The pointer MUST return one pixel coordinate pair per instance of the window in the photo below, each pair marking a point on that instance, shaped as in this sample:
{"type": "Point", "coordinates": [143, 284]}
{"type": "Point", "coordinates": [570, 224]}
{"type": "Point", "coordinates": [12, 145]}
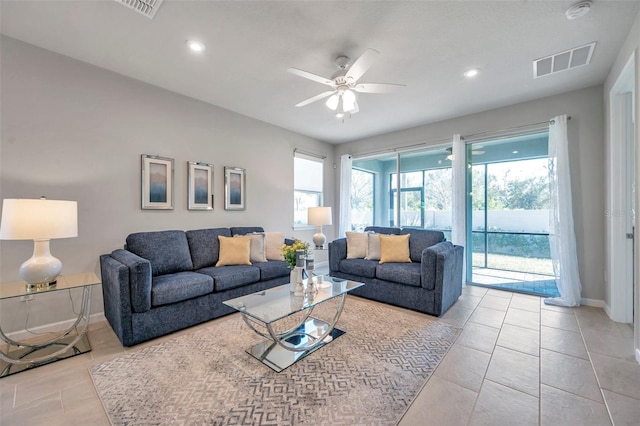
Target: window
{"type": "Point", "coordinates": [307, 186]}
{"type": "Point", "coordinates": [362, 201]}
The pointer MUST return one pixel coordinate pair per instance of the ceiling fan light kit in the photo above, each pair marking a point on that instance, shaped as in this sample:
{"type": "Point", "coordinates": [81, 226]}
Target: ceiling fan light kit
{"type": "Point", "coordinates": [344, 84]}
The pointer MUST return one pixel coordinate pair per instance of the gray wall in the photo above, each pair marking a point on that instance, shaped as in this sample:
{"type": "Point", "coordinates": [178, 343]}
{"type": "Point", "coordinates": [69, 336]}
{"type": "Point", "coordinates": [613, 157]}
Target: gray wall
{"type": "Point", "coordinates": [73, 131]}
{"type": "Point", "coordinates": [586, 151]}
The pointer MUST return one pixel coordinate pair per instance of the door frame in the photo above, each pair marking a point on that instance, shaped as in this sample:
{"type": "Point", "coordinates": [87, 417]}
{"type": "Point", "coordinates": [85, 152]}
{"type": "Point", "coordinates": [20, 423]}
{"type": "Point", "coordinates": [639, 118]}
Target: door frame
{"type": "Point", "coordinates": [619, 265]}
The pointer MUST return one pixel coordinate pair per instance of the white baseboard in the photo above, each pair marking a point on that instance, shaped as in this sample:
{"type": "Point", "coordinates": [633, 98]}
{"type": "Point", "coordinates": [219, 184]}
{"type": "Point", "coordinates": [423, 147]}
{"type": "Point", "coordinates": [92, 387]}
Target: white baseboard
{"type": "Point", "coordinates": [607, 310]}
{"type": "Point", "coordinates": [596, 303]}
{"type": "Point", "coordinates": [52, 328]}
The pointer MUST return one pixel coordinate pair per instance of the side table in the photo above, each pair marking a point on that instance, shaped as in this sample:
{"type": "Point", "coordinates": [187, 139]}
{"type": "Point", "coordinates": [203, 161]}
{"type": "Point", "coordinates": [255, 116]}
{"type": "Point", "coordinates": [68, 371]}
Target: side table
{"type": "Point", "coordinates": [73, 341]}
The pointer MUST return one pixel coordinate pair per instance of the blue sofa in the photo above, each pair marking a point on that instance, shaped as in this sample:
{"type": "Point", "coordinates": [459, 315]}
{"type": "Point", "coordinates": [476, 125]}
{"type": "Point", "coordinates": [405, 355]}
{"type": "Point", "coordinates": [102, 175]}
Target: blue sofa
{"type": "Point", "coordinates": [431, 283]}
{"type": "Point", "coordinates": [166, 281]}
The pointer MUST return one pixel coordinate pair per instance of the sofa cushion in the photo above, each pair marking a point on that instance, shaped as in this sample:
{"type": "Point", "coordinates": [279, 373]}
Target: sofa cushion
{"type": "Point", "coordinates": [388, 230]}
{"type": "Point", "coordinates": [234, 251]}
{"type": "Point", "coordinates": [373, 246]}
{"type": "Point", "coordinates": [357, 245]}
{"type": "Point", "coordinates": [204, 246]}
{"type": "Point", "coordinates": [244, 230]}
{"type": "Point", "coordinates": [172, 288]}
{"type": "Point", "coordinates": [228, 277]}
{"type": "Point", "coordinates": [359, 267]}
{"type": "Point", "coordinates": [403, 273]}
{"type": "Point", "coordinates": [168, 251]}
{"type": "Point", "coordinates": [420, 239]}
{"type": "Point", "coordinates": [394, 248]}
{"type": "Point", "coordinates": [272, 269]}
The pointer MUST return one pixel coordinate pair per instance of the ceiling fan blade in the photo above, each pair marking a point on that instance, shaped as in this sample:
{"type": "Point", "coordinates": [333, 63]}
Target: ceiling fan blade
{"type": "Point", "coordinates": [356, 108]}
{"type": "Point", "coordinates": [316, 98]}
{"type": "Point", "coordinates": [362, 64]}
{"type": "Point", "coordinates": [312, 77]}
{"type": "Point", "coordinates": [377, 87]}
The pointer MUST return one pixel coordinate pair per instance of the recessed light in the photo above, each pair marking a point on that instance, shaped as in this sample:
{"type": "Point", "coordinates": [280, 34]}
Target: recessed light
{"type": "Point", "coordinates": [471, 73]}
{"type": "Point", "coordinates": [195, 46]}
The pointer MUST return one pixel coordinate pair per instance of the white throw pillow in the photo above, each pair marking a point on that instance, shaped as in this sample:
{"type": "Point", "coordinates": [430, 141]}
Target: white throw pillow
{"type": "Point", "coordinates": [257, 246]}
{"type": "Point", "coordinates": [373, 248]}
{"type": "Point", "coordinates": [273, 242]}
{"type": "Point", "coordinates": [357, 243]}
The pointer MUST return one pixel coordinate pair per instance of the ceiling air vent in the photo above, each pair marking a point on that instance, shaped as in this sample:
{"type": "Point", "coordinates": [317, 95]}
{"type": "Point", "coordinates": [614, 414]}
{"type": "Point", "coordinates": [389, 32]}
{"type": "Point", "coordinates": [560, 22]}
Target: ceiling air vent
{"type": "Point", "coordinates": [147, 8]}
{"type": "Point", "coordinates": [563, 61]}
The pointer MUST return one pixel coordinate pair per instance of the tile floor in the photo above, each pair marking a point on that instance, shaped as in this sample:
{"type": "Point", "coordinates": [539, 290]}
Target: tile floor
{"type": "Point", "coordinates": [516, 362]}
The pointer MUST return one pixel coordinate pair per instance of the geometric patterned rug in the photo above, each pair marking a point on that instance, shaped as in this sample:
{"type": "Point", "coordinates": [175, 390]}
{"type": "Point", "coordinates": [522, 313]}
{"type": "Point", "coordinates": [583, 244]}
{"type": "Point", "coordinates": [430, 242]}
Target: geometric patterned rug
{"type": "Point", "coordinates": [368, 376]}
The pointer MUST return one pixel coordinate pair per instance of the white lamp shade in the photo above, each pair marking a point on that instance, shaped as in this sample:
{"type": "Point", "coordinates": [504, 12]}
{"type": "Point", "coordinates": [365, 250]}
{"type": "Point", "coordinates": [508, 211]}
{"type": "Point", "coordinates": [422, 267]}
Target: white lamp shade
{"type": "Point", "coordinates": [39, 219]}
{"type": "Point", "coordinates": [319, 216]}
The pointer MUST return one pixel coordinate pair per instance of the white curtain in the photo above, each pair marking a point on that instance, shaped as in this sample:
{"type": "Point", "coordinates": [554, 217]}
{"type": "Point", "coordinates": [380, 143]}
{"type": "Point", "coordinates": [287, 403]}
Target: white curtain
{"type": "Point", "coordinates": [344, 224]}
{"type": "Point", "coordinates": [562, 239]}
{"type": "Point", "coordinates": [458, 228]}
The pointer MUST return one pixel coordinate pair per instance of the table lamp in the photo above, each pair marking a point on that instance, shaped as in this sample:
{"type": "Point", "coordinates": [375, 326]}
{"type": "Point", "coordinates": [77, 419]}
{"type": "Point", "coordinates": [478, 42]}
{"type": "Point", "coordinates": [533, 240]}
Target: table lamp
{"type": "Point", "coordinates": [319, 216]}
{"type": "Point", "coordinates": [39, 220]}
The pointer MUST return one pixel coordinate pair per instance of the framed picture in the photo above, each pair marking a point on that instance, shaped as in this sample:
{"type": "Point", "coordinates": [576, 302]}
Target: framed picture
{"type": "Point", "coordinates": [234, 188]}
{"type": "Point", "coordinates": [157, 182]}
{"type": "Point", "coordinates": [200, 186]}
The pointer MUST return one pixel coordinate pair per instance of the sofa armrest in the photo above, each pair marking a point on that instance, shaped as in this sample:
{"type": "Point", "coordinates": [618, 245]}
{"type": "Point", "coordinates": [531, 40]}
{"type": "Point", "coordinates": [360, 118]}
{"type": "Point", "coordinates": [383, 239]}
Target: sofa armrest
{"type": "Point", "coordinates": [337, 252]}
{"type": "Point", "coordinates": [139, 279]}
{"type": "Point", "coordinates": [430, 263]}
{"type": "Point", "coordinates": [116, 297]}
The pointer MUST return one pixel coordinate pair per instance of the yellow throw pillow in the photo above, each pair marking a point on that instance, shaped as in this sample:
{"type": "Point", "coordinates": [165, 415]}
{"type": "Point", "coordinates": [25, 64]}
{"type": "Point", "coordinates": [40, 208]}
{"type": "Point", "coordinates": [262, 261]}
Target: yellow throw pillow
{"type": "Point", "coordinates": [357, 245]}
{"type": "Point", "coordinates": [394, 248]}
{"type": "Point", "coordinates": [234, 251]}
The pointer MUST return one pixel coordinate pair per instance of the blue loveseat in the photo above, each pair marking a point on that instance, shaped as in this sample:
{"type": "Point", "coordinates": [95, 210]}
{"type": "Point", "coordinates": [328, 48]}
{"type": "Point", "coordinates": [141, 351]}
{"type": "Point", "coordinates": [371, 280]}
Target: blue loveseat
{"type": "Point", "coordinates": [166, 281]}
{"type": "Point", "coordinates": [431, 283]}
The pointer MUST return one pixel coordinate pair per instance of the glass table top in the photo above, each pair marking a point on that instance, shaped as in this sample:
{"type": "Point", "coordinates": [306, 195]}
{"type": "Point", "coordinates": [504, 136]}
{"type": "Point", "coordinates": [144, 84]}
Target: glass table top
{"type": "Point", "coordinates": [64, 282]}
{"type": "Point", "coordinates": [279, 302]}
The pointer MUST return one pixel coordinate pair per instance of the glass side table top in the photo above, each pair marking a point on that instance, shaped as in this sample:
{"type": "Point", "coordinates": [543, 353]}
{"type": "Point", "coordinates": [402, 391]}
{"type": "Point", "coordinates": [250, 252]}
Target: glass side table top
{"type": "Point", "coordinates": [279, 302]}
{"type": "Point", "coordinates": [64, 282]}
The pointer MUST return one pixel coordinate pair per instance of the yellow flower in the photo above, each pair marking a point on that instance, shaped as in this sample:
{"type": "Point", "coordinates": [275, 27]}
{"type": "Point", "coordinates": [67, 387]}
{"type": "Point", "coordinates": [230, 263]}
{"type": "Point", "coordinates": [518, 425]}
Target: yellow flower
{"type": "Point", "coordinates": [289, 251]}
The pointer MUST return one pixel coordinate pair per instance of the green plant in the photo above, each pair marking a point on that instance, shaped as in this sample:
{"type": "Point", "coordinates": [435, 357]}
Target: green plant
{"type": "Point", "coordinates": [289, 252]}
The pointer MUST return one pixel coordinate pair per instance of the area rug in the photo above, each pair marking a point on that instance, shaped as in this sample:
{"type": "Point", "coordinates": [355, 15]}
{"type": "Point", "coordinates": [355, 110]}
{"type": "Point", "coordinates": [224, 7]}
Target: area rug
{"type": "Point", "coordinates": [368, 376]}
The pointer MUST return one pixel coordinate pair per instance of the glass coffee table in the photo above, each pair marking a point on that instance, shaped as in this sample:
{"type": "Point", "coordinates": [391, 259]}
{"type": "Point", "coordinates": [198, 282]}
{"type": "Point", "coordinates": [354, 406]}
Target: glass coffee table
{"type": "Point", "coordinates": [284, 319]}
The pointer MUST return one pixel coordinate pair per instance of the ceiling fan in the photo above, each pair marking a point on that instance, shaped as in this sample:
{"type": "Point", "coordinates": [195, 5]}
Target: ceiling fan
{"type": "Point", "coordinates": [344, 84]}
{"type": "Point", "coordinates": [475, 150]}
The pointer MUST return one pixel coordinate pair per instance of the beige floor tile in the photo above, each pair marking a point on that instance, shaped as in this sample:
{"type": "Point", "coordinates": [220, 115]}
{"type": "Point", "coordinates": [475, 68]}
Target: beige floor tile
{"type": "Point", "coordinates": [595, 319]}
{"type": "Point", "coordinates": [568, 373]}
{"type": "Point", "coordinates": [37, 412]}
{"type": "Point", "coordinates": [44, 386]}
{"type": "Point", "coordinates": [478, 336]}
{"type": "Point", "coordinates": [501, 405]}
{"type": "Point", "coordinates": [464, 366]}
{"type": "Point", "coordinates": [558, 407]}
{"type": "Point", "coordinates": [563, 320]}
{"type": "Point", "coordinates": [489, 317]}
{"type": "Point", "coordinates": [555, 308]}
{"type": "Point", "coordinates": [495, 302]}
{"type": "Point", "coordinates": [617, 375]}
{"type": "Point", "coordinates": [456, 316]}
{"type": "Point", "coordinates": [563, 341]}
{"type": "Point", "coordinates": [624, 410]}
{"type": "Point", "coordinates": [468, 301]}
{"type": "Point", "coordinates": [519, 339]}
{"type": "Point", "coordinates": [521, 318]}
{"type": "Point", "coordinates": [475, 290]}
{"type": "Point", "coordinates": [441, 403]}
{"type": "Point", "coordinates": [516, 370]}
{"type": "Point", "coordinates": [500, 293]}
{"type": "Point", "coordinates": [608, 344]}
{"type": "Point", "coordinates": [526, 303]}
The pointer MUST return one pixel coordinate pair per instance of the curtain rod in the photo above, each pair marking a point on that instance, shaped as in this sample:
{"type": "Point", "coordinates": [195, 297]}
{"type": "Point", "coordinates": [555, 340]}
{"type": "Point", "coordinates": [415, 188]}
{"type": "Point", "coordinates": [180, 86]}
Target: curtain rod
{"type": "Point", "coordinates": [403, 148]}
{"type": "Point", "coordinates": [497, 132]}
{"type": "Point", "coordinates": [310, 154]}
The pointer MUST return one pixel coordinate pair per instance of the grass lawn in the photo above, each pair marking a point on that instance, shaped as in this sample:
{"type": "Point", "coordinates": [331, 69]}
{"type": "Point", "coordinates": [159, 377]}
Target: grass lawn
{"type": "Point", "coordinates": [514, 263]}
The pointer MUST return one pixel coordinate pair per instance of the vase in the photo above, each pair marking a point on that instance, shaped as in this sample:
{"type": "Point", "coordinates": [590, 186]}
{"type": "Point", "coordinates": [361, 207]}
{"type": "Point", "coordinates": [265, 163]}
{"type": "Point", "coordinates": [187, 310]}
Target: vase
{"type": "Point", "coordinates": [293, 280]}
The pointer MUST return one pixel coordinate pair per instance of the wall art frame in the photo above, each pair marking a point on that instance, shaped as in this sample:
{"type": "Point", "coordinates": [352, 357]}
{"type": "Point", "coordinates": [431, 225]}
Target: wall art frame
{"type": "Point", "coordinates": [199, 186]}
{"type": "Point", "coordinates": [234, 188]}
{"type": "Point", "coordinates": [157, 182]}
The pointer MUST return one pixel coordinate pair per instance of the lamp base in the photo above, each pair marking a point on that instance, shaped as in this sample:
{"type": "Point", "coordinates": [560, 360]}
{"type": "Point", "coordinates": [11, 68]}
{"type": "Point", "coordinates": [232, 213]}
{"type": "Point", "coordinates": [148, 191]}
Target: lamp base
{"type": "Point", "coordinates": [42, 269]}
{"type": "Point", "coordinates": [319, 238]}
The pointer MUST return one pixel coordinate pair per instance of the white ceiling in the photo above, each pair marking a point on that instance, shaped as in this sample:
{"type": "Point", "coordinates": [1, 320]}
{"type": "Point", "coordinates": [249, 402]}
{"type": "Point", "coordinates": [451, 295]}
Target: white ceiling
{"type": "Point", "coordinates": [426, 45]}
